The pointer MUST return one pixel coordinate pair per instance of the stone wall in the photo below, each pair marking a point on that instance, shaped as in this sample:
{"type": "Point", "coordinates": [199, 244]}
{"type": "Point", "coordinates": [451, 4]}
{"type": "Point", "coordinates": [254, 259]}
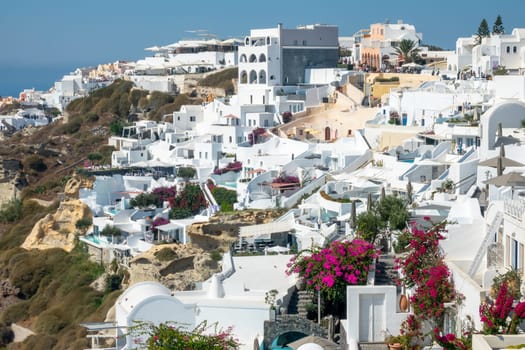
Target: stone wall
{"type": "Point", "coordinates": [291, 323]}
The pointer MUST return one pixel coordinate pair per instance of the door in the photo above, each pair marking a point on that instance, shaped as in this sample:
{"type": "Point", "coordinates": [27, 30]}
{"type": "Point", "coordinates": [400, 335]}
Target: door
{"type": "Point", "coordinates": [371, 317]}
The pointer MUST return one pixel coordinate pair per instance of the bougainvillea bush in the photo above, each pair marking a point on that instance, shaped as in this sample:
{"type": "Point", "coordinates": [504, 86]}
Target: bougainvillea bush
{"type": "Point", "coordinates": [167, 336]}
{"type": "Point", "coordinates": [499, 317]}
{"type": "Point", "coordinates": [331, 269]}
{"type": "Point", "coordinates": [423, 268]}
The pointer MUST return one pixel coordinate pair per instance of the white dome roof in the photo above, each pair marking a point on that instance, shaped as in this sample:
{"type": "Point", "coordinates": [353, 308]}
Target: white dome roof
{"type": "Point", "coordinates": [310, 346]}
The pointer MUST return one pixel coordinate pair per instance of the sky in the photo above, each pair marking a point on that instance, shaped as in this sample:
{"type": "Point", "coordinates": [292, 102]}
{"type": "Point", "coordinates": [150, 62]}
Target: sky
{"type": "Point", "coordinates": [43, 33]}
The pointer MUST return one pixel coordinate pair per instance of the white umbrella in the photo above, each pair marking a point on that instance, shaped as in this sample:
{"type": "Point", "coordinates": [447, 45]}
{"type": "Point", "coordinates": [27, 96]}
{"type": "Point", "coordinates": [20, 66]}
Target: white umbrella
{"type": "Point", "coordinates": [278, 249]}
{"type": "Point", "coordinates": [412, 65]}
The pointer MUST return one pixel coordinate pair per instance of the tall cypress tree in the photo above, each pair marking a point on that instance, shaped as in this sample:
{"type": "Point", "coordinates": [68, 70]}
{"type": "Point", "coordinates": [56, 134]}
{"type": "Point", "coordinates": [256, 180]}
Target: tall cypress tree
{"type": "Point", "coordinates": [483, 31]}
{"type": "Point", "coordinates": [498, 28]}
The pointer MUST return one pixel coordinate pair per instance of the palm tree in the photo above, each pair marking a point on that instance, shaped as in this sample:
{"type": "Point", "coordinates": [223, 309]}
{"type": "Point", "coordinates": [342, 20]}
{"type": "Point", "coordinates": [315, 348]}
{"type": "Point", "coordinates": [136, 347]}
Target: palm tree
{"type": "Point", "coordinates": [407, 50]}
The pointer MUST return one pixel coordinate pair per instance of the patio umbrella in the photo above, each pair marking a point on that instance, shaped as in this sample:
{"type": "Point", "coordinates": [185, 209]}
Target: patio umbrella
{"type": "Point", "coordinates": [412, 65]}
{"type": "Point", "coordinates": [313, 339]}
{"type": "Point", "coordinates": [354, 214]}
{"type": "Point", "coordinates": [369, 202]}
{"type": "Point", "coordinates": [505, 162]}
{"type": "Point", "coordinates": [510, 179]}
{"type": "Point", "coordinates": [383, 195]}
{"type": "Point", "coordinates": [409, 192]}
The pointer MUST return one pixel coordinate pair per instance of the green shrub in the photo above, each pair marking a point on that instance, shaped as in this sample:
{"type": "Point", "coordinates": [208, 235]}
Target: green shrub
{"type": "Point", "coordinates": [40, 342]}
{"type": "Point", "coordinates": [186, 172]}
{"type": "Point", "coordinates": [110, 231]}
{"type": "Point", "coordinates": [180, 213]}
{"type": "Point", "coordinates": [35, 163]}
{"type": "Point", "coordinates": [95, 156]}
{"type": "Point", "coordinates": [113, 282]}
{"type": "Point", "coordinates": [216, 255]}
{"type": "Point", "coordinates": [116, 127]}
{"type": "Point", "coordinates": [166, 254]}
{"type": "Point", "coordinates": [11, 211]}
{"type": "Point", "coordinates": [16, 312]}
{"type": "Point", "coordinates": [6, 335]}
{"type": "Point", "coordinates": [83, 224]}
{"type": "Point", "coordinates": [225, 198]}
{"type": "Point", "coordinates": [144, 200]}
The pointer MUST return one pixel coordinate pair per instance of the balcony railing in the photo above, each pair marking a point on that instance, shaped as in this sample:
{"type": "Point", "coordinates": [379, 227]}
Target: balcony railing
{"type": "Point", "coordinates": [514, 208]}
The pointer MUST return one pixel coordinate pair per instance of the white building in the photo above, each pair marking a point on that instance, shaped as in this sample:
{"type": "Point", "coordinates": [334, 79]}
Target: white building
{"type": "Point", "coordinates": [377, 49]}
{"type": "Point", "coordinates": [238, 293]}
{"type": "Point", "coordinates": [272, 59]}
{"type": "Point", "coordinates": [505, 50]}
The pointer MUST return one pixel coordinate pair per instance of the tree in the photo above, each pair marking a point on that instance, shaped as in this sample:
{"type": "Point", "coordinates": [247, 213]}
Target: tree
{"type": "Point", "coordinates": [393, 210]}
{"type": "Point", "coordinates": [498, 28]}
{"type": "Point", "coordinates": [369, 224]}
{"type": "Point", "coordinates": [483, 31]}
{"type": "Point", "coordinates": [407, 51]}
{"type": "Point", "coordinates": [186, 173]}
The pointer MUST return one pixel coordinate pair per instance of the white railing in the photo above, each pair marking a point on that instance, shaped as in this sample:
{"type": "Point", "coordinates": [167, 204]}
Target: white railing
{"type": "Point", "coordinates": [491, 230]}
{"type": "Point", "coordinates": [514, 208]}
{"type": "Point", "coordinates": [294, 198]}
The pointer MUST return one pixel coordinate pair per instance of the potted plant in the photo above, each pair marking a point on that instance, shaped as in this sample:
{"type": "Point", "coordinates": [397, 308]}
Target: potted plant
{"type": "Point", "coordinates": [396, 342]}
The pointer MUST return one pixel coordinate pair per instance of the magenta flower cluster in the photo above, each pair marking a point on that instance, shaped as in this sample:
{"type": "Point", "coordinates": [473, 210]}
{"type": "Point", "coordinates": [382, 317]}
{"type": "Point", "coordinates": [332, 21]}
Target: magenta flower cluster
{"type": "Point", "coordinates": [332, 268]}
{"type": "Point", "coordinates": [232, 166]}
{"type": "Point", "coordinates": [451, 341]}
{"type": "Point", "coordinates": [499, 317]}
{"type": "Point", "coordinates": [424, 269]}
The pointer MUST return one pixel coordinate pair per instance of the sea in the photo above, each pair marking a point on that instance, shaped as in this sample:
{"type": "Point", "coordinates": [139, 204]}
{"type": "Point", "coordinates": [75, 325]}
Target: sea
{"type": "Point", "coordinates": [16, 78]}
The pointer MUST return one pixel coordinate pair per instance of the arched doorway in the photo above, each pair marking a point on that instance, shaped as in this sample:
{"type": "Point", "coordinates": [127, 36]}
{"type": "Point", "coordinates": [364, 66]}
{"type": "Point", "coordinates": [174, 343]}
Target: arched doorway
{"type": "Point", "coordinates": [327, 133]}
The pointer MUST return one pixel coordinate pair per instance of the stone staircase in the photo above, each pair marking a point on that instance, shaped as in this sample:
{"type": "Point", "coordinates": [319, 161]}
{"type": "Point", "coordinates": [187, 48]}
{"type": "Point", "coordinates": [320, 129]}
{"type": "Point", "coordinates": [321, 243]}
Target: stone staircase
{"type": "Point", "coordinates": [299, 301]}
{"type": "Point", "coordinates": [385, 271]}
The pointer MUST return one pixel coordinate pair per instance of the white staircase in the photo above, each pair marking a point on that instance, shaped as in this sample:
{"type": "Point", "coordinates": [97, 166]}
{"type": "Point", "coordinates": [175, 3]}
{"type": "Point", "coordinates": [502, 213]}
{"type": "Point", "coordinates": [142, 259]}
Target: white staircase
{"type": "Point", "coordinates": [491, 230]}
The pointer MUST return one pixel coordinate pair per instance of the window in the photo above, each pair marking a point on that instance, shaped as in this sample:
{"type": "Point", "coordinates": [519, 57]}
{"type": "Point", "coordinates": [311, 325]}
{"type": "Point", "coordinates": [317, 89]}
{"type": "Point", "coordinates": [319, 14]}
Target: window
{"type": "Point", "coordinates": [178, 118]}
{"type": "Point", "coordinates": [514, 254]}
{"type": "Point", "coordinates": [205, 155]}
{"type": "Point", "coordinates": [514, 49]}
{"type": "Point", "coordinates": [304, 42]}
{"type": "Point", "coordinates": [266, 123]}
{"type": "Point", "coordinates": [295, 42]}
{"type": "Point", "coordinates": [192, 118]}
{"type": "Point", "coordinates": [230, 138]}
{"type": "Point", "coordinates": [508, 49]}
{"type": "Point", "coordinates": [244, 77]}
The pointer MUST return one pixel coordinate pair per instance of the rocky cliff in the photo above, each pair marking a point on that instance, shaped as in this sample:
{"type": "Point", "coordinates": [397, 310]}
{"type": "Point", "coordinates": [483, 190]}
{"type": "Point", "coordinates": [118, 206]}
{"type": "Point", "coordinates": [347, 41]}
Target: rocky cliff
{"type": "Point", "coordinates": [58, 230]}
{"type": "Point", "coordinates": [176, 266]}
